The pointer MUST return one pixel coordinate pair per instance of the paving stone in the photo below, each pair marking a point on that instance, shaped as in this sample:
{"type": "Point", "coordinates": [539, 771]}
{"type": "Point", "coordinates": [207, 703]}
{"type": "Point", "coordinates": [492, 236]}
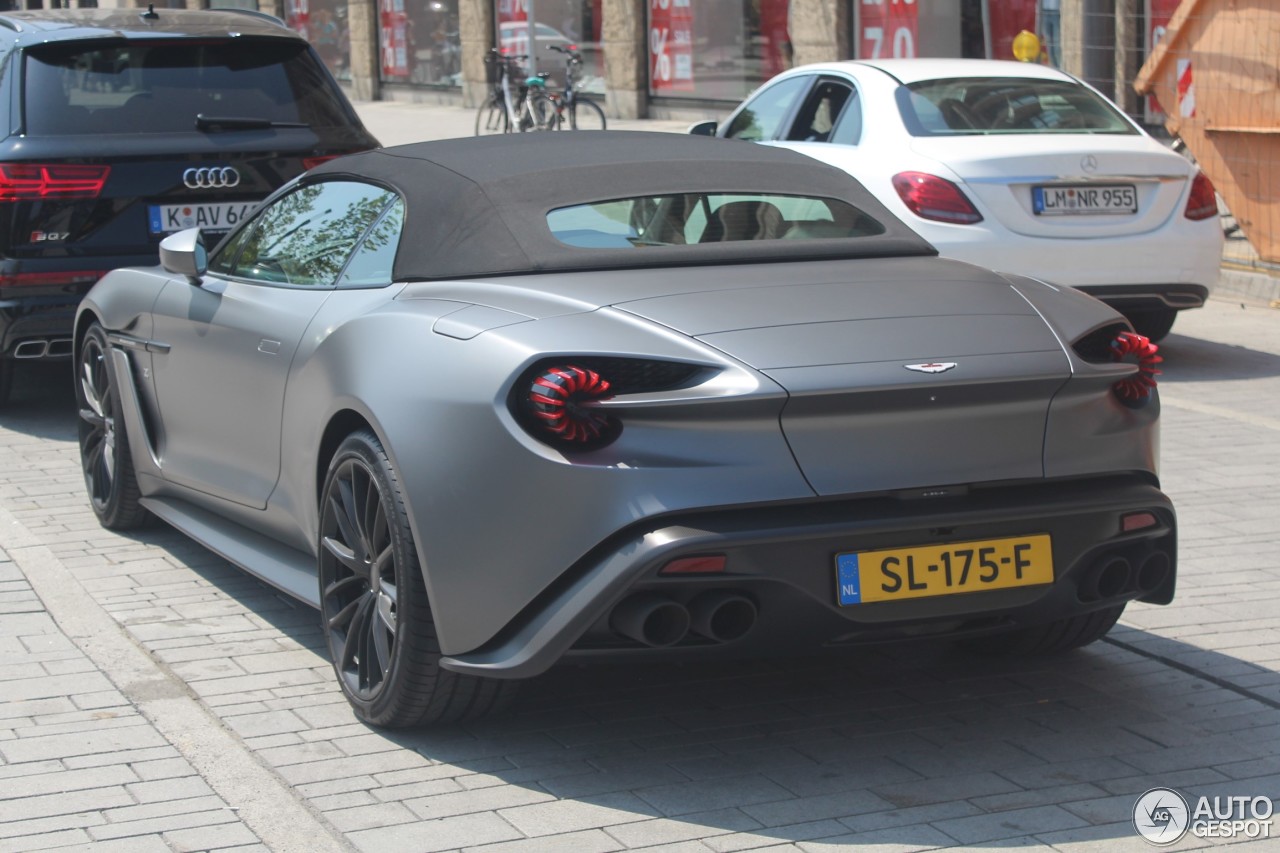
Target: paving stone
{"type": "Point", "coordinates": [448, 833]}
{"type": "Point", "coordinates": [900, 840]}
{"type": "Point", "coordinates": [559, 816]}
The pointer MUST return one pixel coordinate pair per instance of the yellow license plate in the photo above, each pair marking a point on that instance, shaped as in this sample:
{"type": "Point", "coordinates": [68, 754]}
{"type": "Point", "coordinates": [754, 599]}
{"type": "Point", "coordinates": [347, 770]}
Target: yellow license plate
{"type": "Point", "coordinates": [957, 567]}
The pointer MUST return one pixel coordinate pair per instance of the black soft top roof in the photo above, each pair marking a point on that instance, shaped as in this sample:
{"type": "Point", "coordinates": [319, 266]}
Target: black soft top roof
{"type": "Point", "coordinates": [478, 206]}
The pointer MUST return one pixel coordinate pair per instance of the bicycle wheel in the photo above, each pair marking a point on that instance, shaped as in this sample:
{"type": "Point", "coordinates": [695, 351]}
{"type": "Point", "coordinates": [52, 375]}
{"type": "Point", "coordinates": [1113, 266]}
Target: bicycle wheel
{"type": "Point", "coordinates": [491, 118]}
{"type": "Point", "coordinates": [540, 113]}
{"type": "Point", "coordinates": [586, 115]}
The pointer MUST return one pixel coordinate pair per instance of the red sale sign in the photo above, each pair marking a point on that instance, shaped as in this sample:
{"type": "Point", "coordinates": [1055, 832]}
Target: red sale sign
{"type": "Point", "coordinates": [671, 46]}
{"type": "Point", "coordinates": [394, 24]}
{"type": "Point", "coordinates": [887, 28]}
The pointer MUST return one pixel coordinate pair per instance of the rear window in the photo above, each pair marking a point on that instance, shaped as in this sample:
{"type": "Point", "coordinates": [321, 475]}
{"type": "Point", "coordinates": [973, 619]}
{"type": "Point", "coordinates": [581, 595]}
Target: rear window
{"type": "Point", "coordinates": [1001, 105]}
{"type": "Point", "coordinates": [674, 220]}
{"type": "Point", "coordinates": [160, 87]}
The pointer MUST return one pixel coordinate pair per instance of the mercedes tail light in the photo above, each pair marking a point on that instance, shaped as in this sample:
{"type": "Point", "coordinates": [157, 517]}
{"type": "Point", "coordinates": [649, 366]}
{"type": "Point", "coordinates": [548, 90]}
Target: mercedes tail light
{"type": "Point", "coordinates": [931, 197]}
{"type": "Point", "coordinates": [40, 181]}
{"type": "Point", "coordinates": [1203, 202]}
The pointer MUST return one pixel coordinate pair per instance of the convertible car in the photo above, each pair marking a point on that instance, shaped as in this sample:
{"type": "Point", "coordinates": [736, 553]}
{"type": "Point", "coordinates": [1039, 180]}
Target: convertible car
{"type": "Point", "coordinates": [490, 404]}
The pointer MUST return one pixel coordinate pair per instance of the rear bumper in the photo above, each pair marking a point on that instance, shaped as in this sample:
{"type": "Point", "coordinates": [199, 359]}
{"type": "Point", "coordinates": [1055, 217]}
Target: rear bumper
{"type": "Point", "coordinates": [782, 559]}
{"type": "Point", "coordinates": [38, 313]}
{"type": "Point", "coordinates": [1149, 297]}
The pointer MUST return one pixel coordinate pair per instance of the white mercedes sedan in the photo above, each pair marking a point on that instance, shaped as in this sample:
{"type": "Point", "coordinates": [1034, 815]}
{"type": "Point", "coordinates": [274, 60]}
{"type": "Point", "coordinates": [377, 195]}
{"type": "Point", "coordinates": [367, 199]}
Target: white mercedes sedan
{"type": "Point", "coordinates": [1012, 166]}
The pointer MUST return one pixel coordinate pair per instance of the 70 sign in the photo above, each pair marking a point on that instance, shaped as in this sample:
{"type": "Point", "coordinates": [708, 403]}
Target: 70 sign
{"type": "Point", "coordinates": [887, 28]}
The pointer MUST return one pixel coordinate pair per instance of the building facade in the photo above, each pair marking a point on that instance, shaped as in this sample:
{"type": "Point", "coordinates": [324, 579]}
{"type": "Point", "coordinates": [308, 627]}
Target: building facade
{"type": "Point", "coordinates": [693, 58]}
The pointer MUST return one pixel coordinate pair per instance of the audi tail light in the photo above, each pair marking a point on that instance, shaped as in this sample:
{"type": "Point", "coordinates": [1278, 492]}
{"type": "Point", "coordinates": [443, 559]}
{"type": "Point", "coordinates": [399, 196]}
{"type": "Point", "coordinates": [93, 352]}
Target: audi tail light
{"type": "Point", "coordinates": [51, 279]}
{"type": "Point", "coordinates": [557, 401]}
{"type": "Point", "coordinates": [40, 181]}
{"type": "Point", "coordinates": [310, 163]}
{"type": "Point", "coordinates": [1203, 201]}
{"type": "Point", "coordinates": [931, 197]}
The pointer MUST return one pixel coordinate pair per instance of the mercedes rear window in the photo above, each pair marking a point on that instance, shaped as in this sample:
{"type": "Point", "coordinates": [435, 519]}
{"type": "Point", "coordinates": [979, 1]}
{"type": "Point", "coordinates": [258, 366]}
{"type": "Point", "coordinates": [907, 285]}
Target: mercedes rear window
{"type": "Point", "coordinates": [160, 87]}
{"type": "Point", "coordinates": [967, 106]}
{"type": "Point", "coordinates": [687, 218]}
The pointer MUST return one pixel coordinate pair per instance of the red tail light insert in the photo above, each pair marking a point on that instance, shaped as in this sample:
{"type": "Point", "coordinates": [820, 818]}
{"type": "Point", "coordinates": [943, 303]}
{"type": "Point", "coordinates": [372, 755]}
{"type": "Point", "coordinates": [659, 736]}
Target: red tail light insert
{"type": "Point", "coordinates": [1136, 390]}
{"type": "Point", "coordinates": [51, 279]}
{"type": "Point", "coordinates": [1203, 201]}
{"type": "Point", "coordinates": [931, 197]}
{"type": "Point", "coordinates": [40, 181]}
{"type": "Point", "coordinates": [561, 397]}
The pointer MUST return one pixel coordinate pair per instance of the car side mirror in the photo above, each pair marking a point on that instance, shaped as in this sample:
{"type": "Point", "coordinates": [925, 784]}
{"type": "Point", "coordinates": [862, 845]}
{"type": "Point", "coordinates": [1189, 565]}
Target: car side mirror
{"type": "Point", "coordinates": [184, 253]}
{"type": "Point", "coordinates": [703, 128]}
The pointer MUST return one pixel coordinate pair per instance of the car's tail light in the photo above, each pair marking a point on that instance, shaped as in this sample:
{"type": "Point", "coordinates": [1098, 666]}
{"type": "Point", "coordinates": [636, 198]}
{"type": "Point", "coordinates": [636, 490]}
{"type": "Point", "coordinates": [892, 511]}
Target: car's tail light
{"type": "Point", "coordinates": [560, 398]}
{"type": "Point", "coordinates": [37, 181]}
{"type": "Point", "coordinates": [931, 197]}
{"type": "Point", "coordinates": [1137, 521]}
{"type": "Point", "coordinates": [556, 400]}
{"type": "Point", "coordinates": [1203, 202]}
{"type": "Point", "coordinates": [1136, 390]}
{"type": "Point", "coordinates": [311, 162]}
{"type": "Point", "coordinates": [51, 279]}
{"type": "Point", "coordinates": [706, 565]}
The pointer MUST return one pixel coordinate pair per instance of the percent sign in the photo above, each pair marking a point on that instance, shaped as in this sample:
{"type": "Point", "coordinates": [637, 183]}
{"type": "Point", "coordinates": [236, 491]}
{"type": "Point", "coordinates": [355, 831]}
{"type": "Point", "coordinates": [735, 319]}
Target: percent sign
{"type": "Point", "coordinates": [658, 46]}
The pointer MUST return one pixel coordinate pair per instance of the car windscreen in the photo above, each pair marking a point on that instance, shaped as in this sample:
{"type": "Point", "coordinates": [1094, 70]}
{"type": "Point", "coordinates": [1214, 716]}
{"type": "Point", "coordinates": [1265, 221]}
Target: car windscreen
{"type": "Point", "coordinates": [964, 106]}
{"type": "Point", "coordinates": [721, 217]}
{"type": "Point", "coordinates": [161, 86]}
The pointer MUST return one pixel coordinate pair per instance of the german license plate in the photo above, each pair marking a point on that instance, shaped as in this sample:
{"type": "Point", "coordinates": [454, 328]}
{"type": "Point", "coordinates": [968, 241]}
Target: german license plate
{"type": "Point", "coordinates": [1087, 199]}
{"type": "Point", "coordinates": [219, 216]}
{"type": "Point", "coordinates": [895, 574]}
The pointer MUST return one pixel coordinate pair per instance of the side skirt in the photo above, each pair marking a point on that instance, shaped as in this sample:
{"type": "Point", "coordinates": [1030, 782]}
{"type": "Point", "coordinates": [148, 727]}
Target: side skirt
{"type": "Point", "coordinates": [285, 568]}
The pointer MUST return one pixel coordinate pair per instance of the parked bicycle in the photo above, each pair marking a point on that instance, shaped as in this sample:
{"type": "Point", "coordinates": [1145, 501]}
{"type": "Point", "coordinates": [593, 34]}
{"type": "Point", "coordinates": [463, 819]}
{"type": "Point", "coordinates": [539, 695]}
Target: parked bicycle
{"type": "Point", "coordinates": [529, 107]}
{"type": "Point", "coordinates": [573, 109]}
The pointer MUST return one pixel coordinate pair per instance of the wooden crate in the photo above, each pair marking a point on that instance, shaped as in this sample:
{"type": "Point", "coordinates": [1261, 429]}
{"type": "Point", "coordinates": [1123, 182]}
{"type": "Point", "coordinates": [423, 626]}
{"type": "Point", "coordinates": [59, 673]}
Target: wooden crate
{"type": "Point", "coordinates": [1216, 73]}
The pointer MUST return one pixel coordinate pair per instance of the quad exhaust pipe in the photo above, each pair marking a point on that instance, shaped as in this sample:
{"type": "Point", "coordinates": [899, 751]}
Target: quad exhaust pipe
{"type": "Point", "coordinates": [1114, 576]}
{"type": "Point", "coordinates": [656, 621]}
{"type": "Point", "coordinates": [43, 348]}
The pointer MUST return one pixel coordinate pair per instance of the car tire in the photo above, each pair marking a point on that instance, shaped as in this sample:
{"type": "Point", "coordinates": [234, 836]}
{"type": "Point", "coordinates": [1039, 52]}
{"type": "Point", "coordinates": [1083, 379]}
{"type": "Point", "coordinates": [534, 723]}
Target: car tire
{"type": "Point", "coordinates": [1051, 638]}
{"type": "Point", "coordinates": [105, 457]}
{"type": "Point", "coordinates": [6, 380]}
{"type": "Point", "coordinates": [376, 616]}
{"type": "Point", "coordinates": [1153, 325]}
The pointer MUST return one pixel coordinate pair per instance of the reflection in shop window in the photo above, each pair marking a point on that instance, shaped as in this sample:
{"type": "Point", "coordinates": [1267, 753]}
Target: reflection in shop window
{"type": "Point", "coordinates": [716, 49]}
{"type": "Point", "coordinates": [418, 42]}
{"type": "Point", "coordinates": [324, 24]}
{"type": "Point", "coordinates": [572, 24]}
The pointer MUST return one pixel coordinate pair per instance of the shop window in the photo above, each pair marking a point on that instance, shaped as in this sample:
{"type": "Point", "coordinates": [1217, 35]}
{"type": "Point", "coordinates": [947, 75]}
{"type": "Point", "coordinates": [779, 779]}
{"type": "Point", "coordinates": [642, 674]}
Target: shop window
{"type": "Point", "coordinates": [715, 49]}
{"type": "Point", "coordinates": [565, 24]}
{"type": "Point", "coordinates": [418, 42]}
{"type": "Point", "coordinates": [324, 24]}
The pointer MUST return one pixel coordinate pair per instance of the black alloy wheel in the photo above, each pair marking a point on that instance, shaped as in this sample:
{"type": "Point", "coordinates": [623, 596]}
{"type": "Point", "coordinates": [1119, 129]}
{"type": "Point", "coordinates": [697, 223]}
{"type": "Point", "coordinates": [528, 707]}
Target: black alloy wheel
{"type": "Point", "coordinates": [104, 445]}
{"type": "Point", "coordinates": [373, 600]}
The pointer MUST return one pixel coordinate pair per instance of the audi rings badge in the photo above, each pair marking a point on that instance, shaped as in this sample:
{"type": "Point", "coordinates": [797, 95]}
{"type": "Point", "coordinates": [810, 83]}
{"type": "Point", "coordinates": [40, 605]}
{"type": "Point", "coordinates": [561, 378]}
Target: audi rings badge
{"type": "Point", "coordinates": [209, 178]}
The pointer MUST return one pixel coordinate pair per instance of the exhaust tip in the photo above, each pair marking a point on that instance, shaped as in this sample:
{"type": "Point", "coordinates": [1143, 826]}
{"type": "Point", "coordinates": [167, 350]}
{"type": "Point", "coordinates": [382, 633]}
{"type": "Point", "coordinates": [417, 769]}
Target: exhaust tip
{"type": "Point", "coordinates": [650, 619]}
{"type": "Point", "coordinates": [722, 616]}
{"type": "Point", "coordinates": [31, 349]}
{"type": "Point", "coordinates": [1154, 571]}
{"type": "Point", "coordinates": [1106, 580]}
{"type": "Point", "coordinates": [59, 347]}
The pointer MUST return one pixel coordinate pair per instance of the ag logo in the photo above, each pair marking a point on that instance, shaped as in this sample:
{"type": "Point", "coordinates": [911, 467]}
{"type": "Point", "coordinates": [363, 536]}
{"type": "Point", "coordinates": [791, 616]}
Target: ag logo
{"type": "Point", "coordinates": [1161, 816]}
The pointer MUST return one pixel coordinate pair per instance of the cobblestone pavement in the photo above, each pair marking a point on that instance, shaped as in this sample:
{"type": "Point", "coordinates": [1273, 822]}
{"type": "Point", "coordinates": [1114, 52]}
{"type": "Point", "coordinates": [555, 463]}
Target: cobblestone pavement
{"type": "Point", "coordinates": [152, 697]}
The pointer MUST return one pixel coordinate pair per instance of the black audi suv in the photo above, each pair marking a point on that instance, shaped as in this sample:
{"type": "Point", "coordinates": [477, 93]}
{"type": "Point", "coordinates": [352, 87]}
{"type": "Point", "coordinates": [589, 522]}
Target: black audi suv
{"type": "Point", "coordinates": [121, 126]}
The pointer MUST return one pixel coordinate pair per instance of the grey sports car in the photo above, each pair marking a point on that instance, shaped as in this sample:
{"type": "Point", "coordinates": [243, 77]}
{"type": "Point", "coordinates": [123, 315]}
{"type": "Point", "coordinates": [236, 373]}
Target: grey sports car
{"type": "Point", "coordinates": [493, 403]}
